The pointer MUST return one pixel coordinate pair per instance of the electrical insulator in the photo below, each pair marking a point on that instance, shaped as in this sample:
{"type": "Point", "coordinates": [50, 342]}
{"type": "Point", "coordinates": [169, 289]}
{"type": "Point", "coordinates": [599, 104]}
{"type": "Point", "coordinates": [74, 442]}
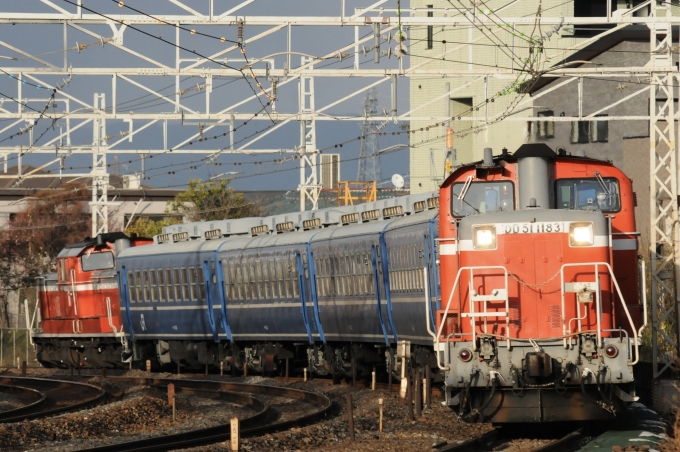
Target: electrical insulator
{"type": "Point", "coordinates": [449, 138]}
{"type": "Point", "coordinates": [274, 90]}
{"type": "Point", "coordinates": [240, 32]}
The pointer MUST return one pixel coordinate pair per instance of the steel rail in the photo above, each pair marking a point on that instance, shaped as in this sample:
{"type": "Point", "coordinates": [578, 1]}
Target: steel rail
{"type": "Point", "coordinates": [57, 399]}
{"type": "Point", "coordinates": [474, 444]}
{"type": "Point", "coordinates": [567, 443]}
{"type": "Point", "coordinates": [249, 426]}
{"type": "Point", "coordinates": [35, 397]}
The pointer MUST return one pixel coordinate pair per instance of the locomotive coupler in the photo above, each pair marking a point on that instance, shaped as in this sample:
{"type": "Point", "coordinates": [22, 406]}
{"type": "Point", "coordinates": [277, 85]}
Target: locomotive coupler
{"type": "Point", "coordinates": [538, 365]}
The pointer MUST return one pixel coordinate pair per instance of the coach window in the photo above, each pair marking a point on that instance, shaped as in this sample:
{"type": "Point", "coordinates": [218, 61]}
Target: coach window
{"type": "Point", "coordinates": [270, 271]}
{"type": "Point", "coordinates": [145, 286]}
{"type": "Point", "coordinates": [200, 283]}
{"type": "Point", "coordinates": [589, 194]}
{"type": "Point", "coordinates": [245, 282]}
{"type": "Point", "coordinates": [259, 283]}
{"type": "Point", "coordinates": [97, 261]}
{"type": "Point", "coordinates": [154, 286]}
{"type": "Point", "coordinates": [131, 287]}
{"type": "Point", "coordinates": [280, 290]}
{"type": "Point", "coordinates": [161, 285]}
{"type": "Point", "coordinates": [138, 286]}
{"type": "Point", "coordinates": [481, 197]}
{"type": "Point", "coordinates": [193, 282]}
{"type": "Point", "coordinates": [183, 284]}
{"type": "Point", "coordinates": [177, 283]}
{"type": "Point", "coordinates": [238, 282]}
{"type": "Point", "coordinates": [294, 279]}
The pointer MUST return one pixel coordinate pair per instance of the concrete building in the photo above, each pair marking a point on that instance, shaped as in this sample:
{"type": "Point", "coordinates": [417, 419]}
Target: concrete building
{"type": "Point", "coordinates": [134, 199]}
{"type": "Point", "coordinates": [488, 65]}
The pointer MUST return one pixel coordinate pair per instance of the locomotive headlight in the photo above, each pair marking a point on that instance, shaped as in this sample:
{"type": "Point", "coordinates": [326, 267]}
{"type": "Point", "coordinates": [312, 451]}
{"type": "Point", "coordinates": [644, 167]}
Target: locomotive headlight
{"type": "Point", "coordinates": [581, 234]}
{"type": "Point", "coordinates": [484, 237]}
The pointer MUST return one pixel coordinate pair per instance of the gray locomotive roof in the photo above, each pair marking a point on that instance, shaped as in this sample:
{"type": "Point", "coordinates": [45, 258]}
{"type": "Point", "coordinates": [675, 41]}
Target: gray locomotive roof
{"type": "Point", "coordinates": [269, 240]}
{"type": "Point", "coordinates": [333, 216]}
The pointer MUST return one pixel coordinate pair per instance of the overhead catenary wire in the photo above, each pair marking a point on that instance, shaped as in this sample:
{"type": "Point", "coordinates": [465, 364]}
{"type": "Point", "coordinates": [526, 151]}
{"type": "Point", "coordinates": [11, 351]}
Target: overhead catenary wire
{"type": "Point", "coordinates": [476, 128]}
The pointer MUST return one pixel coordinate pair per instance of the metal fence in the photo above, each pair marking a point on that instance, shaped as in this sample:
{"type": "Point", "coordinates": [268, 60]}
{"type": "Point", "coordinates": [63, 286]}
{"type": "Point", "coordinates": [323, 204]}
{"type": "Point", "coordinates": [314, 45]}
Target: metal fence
{"type": "Point", "coordinates": [15, 347]}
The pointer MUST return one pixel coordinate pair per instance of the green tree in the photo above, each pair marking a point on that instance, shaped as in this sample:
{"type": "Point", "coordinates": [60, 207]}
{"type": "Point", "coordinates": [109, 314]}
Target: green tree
{"type": "Point", "coordinates": [201, 201]}
{"type": "Point", "coordinates": [212, 200]}
{"type": "Point", "coordinates": [146, 227]}
{"type": "Point", "coordinates": [47, 223]}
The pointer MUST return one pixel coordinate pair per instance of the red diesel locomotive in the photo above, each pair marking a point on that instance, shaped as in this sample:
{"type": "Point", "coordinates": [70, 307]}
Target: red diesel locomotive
{"type": "Point", "coordinates": [80, 321]}
{"type": "Point", "coordinates": [540, 316]}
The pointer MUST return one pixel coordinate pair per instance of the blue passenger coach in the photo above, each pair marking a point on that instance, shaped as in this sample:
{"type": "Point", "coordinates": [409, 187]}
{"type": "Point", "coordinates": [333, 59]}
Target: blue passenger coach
{"type": "Point", "coordinates": [329, 285]}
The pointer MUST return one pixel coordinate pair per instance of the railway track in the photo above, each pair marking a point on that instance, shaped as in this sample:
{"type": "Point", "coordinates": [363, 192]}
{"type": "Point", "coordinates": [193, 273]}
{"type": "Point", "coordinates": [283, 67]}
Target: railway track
{"type": "Point", "coordinates": [273, 411]}
{"type": "Point", "coordinates": [495, 440]}
{"type": "Point", "coordinates": [45, 397]}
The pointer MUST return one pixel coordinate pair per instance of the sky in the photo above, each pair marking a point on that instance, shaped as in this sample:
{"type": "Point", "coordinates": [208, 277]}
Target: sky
{"type": "Point", "coordinates": [255, 172]}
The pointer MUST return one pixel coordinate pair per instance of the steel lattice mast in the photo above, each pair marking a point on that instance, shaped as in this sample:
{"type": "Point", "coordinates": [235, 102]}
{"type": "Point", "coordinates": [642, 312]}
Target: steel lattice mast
{"type": "Point", "coordinates": [369, 159]}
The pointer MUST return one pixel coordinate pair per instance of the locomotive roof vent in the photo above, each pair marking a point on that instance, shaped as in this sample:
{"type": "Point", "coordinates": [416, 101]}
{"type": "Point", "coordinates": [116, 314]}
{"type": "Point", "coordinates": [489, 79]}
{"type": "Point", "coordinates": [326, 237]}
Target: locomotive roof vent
{"type": "Point", "coordinates": [213, 234]}
{"type": "Point", "coordinates": [370, 215]}
{"type": "Point", "coordinates": [580, 153]}
{"type": "Point", "coordinates": [180, 237]}
{"type": "Point", "coordinates": [262, 229]}
{"type": "Point", "coordinates": [349, 218]}
{"type": "Point", "coordinates": [433, 203]}
{"type": "Point", "coordinates": [395, 211]}
{"type": "Point", "coordinates": [419, 206]}
{"type": "Point", "coordinates": [283, 227]}
{"type": "Point", "coordinates": [162, 238]}
{"type": "Point", "coordinates": [311, 224]}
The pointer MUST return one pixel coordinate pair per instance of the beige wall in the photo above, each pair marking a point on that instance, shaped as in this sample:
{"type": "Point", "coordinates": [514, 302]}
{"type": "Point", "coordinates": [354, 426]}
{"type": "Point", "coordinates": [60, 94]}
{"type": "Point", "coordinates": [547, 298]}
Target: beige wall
{"type": "Point", "coordinates": [427, 157]}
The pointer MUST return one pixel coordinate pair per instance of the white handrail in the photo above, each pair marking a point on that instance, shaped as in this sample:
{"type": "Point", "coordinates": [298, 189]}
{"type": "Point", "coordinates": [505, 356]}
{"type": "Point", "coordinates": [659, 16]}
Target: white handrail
{"type": "Point", "coordinates": [427, 304]}
{"type": "Point", "coordinates": [448, 306]}
{"type": "Point", "coordinates": [73, 290]}
{"type": "Point", "coordinates": [644, 297]}
{"type": "Point", "coordinates": [618, 291]}
{"type": "Point", "coordinates": [108, 311]}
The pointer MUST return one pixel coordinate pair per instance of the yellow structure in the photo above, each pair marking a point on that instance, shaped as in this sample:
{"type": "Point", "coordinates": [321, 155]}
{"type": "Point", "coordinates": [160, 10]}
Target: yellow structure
{"type": "Point", "coordinates": [345, 188]}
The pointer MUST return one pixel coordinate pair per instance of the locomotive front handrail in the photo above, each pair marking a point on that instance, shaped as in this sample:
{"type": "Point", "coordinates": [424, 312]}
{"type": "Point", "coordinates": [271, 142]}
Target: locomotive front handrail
{"type": "Point", "coordinates": [644, 298]}
{"type": "Point", "coordinates": [448, 307]}
{"type": "Point", "coordinates": [599, 304]}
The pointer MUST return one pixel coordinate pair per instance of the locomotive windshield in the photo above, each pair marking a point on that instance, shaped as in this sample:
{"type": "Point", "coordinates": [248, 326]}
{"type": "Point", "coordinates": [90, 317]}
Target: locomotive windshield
{"type": "Point", "coordinates": [595, 194]}
{"type": "Point", "coordinates": [97, 261]}
{"type": "Point", "coordinates": [481, 197]}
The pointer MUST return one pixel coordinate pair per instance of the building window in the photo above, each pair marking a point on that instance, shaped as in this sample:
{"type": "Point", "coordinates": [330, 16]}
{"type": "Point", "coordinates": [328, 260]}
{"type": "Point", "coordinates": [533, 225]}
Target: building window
{"type": "Point", "coordinates": [545, 129]}
{"type": "Point", "coordinates": [430, 29]}
{"type": "Point", "coordinates": [580, 131]}
{"type": "Point", "coordinates": [599, 131]}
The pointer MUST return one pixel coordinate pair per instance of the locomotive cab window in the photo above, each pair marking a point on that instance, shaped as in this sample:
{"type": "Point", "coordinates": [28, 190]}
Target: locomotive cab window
{"type": "Point", "coordinates": [589, 194]}
{"type": "Point", "coordinates": [481, 197]}
{"type": "Point", "coordinates": [97, 261]}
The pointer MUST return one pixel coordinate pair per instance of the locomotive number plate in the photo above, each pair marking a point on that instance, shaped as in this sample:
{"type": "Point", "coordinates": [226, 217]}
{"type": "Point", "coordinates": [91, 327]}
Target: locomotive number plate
{"type": "Point", "coordinates": [541, 227]}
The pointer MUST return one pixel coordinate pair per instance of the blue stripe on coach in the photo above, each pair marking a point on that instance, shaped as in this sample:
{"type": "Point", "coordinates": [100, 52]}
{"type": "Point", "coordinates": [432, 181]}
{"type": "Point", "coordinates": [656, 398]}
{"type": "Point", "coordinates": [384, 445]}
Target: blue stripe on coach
{"type": "Point", "coordinates": [124, 296]}
{"type": "Point", "coordinates": [377, 293]}
{"type": "Point", "coordinates": [209, 299]}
